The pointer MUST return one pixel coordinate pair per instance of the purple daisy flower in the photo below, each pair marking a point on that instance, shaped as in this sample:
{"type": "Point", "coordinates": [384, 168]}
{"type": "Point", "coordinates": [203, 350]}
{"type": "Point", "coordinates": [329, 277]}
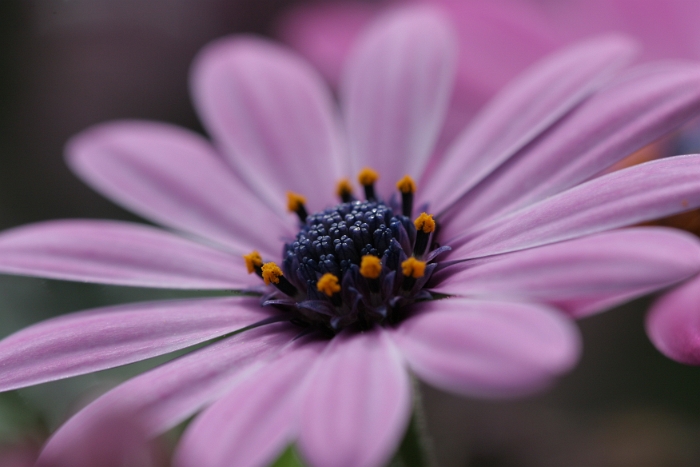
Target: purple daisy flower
{"type": "Point", "coordinates": [474, 296]}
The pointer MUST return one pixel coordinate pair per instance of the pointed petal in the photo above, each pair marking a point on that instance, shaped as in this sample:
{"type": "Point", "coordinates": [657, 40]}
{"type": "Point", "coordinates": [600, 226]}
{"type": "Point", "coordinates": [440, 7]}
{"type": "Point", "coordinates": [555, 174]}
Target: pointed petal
{"type": "Point", "coordinates": [358, 403]}
{"type": "Point", "coordinates": [169, 394]}
{"type": "Point", "coordinates": [581, 276]}
{"type": "Point", "coordinates": [673, 324]}
{"type": "Point", "coordinates": [119, 253]}
{"type": "Point", "coordinates": [488, 349]}
{"type": "Point", "coordinates": [174, 177]}
{"type": "Point", "coordinates": [102, 338]}
{"type": "Point", "coordinates": [641, 193]}
{"type": "Point", "coordinates": [635, 110]}
{"type": "Point", "coordinates": [110, 441]}
{"type": "Point", "coordinates": [272, 116]}
{"type": "Point", "coordinates": [395, 93]}
{"type": "Point", "coordinates": [256, 420]}
{"type": "Point", "coordinates": [521, 112]}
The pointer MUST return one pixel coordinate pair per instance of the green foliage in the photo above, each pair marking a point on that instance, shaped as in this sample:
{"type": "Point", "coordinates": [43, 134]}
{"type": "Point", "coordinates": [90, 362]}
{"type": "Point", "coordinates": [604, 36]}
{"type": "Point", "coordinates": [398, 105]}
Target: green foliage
{"type": "Point", "coordinates": [289, 458]}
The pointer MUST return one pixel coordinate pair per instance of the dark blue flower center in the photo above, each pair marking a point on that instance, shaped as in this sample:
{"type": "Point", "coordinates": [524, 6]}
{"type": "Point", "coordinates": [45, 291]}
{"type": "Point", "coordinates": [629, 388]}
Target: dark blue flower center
{"type": "Point", "coordinates": [354, 265]}
{"type": "Point", "coordinates": [334, 242]}
{"type": "Point", "coordinates": [336, 239]}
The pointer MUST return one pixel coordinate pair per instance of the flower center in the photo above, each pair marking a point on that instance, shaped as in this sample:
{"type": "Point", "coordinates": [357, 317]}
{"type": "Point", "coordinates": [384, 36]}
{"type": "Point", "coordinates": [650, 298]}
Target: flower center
{"type": "Point", "coordinates": [355, 264]}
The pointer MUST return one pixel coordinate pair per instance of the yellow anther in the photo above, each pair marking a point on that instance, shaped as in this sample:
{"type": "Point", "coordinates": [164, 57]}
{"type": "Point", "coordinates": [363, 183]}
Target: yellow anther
{"type": "Point", "coordinates": [343, 188]}
{"type": "Point", "coordinates": [425, 223]}
{"type": "Point", "coordinates": [252, 260]}
{"type": "Point", "coordinates": [367, 176]}
{"type": "Point", "coordinates": [328, 284]}
{"type": "Point", "coordinates": [370, 267]}
{"type": "Point", "coordinates": [271, 273]}
{"type": "Point", "coordinates": [406, 185]}
{"type": "Point", "coordinates": [295, 201]}
{"type": "Point", "coordinates": [413, 268]}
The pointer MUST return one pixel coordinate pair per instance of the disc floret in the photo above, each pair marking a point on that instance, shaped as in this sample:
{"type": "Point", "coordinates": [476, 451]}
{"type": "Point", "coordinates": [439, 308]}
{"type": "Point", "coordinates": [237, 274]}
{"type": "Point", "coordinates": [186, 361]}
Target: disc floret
{"type": "Point", "coordinates": [354, 264]}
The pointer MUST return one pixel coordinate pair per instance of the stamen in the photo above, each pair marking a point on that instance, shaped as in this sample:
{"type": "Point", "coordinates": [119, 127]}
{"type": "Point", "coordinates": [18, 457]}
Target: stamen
{"type": "Point", "coordinates": [344, 190]}
{"type": "Point", "coordinates": [425, 225]}
{"type": "Point", "coordinates": [347, 262]}
{"type": "Point", "coordinates": [407, 187]}
{"type": "Point", "coordinates": [253, 262]}
{"type": "Point", "coordinates": [329, 285]}
{"type": "Point", "coordinates": [367, 177]}
{"type": "Point", "coordinates": [412, 269]}
{"type": "Point", "coordinates": [296, 203]}
{"type": "Point", "coordinates": [271, 273]}
{"type": "Point", "coordinates": [370, 267]}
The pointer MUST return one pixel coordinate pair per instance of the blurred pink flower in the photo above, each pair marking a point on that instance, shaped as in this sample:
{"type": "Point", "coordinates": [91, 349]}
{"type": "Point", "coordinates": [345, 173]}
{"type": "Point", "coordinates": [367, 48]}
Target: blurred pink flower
{"type": "Point", "coordinates": [112, 440]}
{"type": "Point", "coordinates": [665, 28]}
{"type": "Point", "coordinates": [517, 197]}
{"type": "Point", "coordinates": [498, 39]}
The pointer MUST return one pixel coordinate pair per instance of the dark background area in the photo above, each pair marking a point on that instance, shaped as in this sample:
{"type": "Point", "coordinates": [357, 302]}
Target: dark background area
{"type": "Point", "coordinates": [65, 65]}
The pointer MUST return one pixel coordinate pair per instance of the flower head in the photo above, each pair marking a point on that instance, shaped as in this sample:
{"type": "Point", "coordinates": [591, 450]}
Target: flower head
{"type": "Point", "coordinates": [518, 232]}
{"type": "Point", "coordinates": [497, 40]}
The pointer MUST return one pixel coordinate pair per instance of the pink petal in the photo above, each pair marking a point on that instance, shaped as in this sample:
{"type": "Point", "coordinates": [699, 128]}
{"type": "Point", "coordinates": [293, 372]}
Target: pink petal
{"type": "Point", "coordinates": [522, 111]}
{"type": "Point", "coordinates": [256, 420]}
{"type": "Point", "coordinates": [644, 192]}
{"type": "Point", "coordinates": [325, 32]}
{"type": "Point", "coordinates": [496, 42]}
{"type": "Point", "coordinates": [273, 117]}
{"type": "Point", "coordinates": [581, 276]}
{"type": "Point", "coordinates": [111, 441]}
{"type": "Point", "coordinates": [175, 177]}
{"type": "Point", "coordinates": [395, 93]}
{"type": "Point", "coordinates": [169, 394]}
{"type": "Point", "coordinates": [102, 338]}
{"type": "Point", "coordinates": [118, 253]}
{"type": "Point", "coordinates": [673, 324]}
{"type": "Point", "coordinates": [641, 106]}
{"type": "Point", "coordinates": [488, 349]}
{"type": "Point", "coordinates": [358, 404]}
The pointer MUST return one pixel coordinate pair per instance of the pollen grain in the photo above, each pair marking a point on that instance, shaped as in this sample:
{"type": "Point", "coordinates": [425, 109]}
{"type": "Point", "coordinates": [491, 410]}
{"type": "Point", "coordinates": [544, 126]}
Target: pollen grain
{"type": "Point", "coordinates": [252, 260]}
{"type": "Point", "coordinates": [343, 188]}
{"type": "Point", "coordinates": [328, 284]}
{"type": "Point", "coordinates": [425, 223]}
{"type": "Point", "coordinates": [295, 201]}
{"type": "Point", "coordinates": [367, 176]}
{"type": "Point", "coordinates": [406, 185]}
{"type": "Point", "coordinates": [271, 273]}
{"type": "Point", "coordinates": [413, 268]}
{"type": "Point", "coordinates": [370, 267]}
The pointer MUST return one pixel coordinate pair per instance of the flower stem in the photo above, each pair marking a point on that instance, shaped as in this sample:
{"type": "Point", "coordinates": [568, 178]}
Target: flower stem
{"type": "Point", "coordinates": [416, 448]}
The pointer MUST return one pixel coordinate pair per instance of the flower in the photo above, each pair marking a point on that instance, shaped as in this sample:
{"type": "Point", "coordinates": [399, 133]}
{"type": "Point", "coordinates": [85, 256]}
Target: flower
{"type": "Point", "coordinates": [498, 40]}
{"type": "Point", "coordinates": [318, 352]}
{"type": "Point", "coordinates": [666, 28]}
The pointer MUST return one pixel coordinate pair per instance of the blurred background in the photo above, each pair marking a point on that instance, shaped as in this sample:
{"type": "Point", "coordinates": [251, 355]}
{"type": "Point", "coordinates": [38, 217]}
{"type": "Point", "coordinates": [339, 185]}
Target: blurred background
{"type": "Point", "coordinates": [68, 64]}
